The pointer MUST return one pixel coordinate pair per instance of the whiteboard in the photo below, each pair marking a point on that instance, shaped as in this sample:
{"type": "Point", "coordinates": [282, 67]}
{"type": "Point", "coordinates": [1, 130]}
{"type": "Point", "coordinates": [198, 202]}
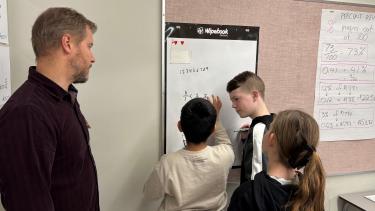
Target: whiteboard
{"type": "Point", "coordinates": [199, 61]}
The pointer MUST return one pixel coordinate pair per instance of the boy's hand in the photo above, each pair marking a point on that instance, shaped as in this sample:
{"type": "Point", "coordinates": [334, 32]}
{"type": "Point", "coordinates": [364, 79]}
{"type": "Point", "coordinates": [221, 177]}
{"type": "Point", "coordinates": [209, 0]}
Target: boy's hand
{"type": "Point", "coordinates": [244, 134]}
{"type": "Point", "coordinates": [216, 102]}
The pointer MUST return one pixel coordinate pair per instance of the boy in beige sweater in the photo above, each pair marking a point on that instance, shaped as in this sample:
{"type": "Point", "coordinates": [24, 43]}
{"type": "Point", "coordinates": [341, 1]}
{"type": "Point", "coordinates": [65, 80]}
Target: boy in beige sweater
{"type": "Point", "coordinates": [195, 177]}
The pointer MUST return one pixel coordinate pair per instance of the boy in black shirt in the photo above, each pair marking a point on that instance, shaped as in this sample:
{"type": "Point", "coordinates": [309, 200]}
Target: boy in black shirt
{"type": "Point", "coordinates": [246, 91]}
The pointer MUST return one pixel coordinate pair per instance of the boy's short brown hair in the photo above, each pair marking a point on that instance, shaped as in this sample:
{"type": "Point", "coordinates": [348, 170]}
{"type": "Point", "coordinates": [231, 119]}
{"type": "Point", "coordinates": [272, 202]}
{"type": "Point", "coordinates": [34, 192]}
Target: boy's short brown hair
{"type": "Point", "coordinates": [248, 80]}
{"type": "Point", "coordinates": [53, 23]}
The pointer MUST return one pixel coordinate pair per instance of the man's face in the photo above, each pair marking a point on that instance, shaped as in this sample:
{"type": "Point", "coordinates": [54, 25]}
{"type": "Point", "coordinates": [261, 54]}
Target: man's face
{"type": "Point", "coordinates": [83, 58]}
{"type": "Point", "coordinates": [243, 102]}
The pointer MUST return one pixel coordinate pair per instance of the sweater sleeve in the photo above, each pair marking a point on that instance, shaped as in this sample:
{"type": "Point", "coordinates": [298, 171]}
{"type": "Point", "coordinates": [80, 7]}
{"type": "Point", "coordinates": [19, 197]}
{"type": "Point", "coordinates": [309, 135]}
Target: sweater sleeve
{"type": "Point", "coordinates": [221, 134]}
{"type": "Point", "coordinates": [154, 187]}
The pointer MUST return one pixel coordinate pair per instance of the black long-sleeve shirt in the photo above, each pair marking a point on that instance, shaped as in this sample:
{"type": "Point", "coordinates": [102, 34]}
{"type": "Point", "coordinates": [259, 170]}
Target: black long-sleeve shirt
{"type": "Point", "coordinates": [45, 157]}
{"type": "Point", "coordinates": [253, 158]}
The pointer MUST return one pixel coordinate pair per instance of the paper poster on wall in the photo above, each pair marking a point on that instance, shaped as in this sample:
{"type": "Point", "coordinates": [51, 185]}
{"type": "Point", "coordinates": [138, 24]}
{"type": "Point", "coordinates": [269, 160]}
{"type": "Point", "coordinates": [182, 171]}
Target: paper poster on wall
{"type": "Point", "coordinates": [345, 80]}
{"type": "Point", "coordinates": [199, 61]}
{"type": "Point", "coordinates": [3, 22]}
{"type": "Point", "coordinates": [4, 75]}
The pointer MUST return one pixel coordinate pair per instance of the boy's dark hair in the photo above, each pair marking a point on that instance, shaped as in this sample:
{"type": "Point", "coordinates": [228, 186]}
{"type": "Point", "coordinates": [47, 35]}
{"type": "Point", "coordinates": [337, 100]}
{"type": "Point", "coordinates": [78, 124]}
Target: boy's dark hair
{"type": "Point", "coordinates": [249, 80]}
{"type": "Point", "coordinates": [198, 117]}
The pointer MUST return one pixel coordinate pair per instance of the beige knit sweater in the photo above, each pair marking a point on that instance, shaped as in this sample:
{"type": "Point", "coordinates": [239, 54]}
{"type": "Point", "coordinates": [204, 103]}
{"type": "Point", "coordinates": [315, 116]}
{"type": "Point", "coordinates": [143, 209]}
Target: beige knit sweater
{"type": "Point", "coordinates": [193, 180]}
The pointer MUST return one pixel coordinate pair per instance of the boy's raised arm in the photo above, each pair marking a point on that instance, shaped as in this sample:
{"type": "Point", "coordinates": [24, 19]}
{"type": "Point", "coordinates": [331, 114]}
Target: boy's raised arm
{"type": "Point", "coordinates": [220, 132]}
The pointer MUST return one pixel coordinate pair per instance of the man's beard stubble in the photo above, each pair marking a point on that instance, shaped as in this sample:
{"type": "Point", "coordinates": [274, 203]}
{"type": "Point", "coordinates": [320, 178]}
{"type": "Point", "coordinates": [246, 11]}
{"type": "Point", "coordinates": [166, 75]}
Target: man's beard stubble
{"type": "Point", "coordinates": [80, 73]}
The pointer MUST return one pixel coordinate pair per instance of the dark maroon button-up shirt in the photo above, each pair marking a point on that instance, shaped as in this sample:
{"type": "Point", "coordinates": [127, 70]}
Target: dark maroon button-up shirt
{"type": "Point", "coordinates": [45, 158]}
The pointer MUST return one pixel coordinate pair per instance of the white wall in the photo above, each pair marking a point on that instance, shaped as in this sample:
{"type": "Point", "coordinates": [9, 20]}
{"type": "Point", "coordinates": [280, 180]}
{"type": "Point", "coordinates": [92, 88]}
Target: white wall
{"type": "Point", "coordinates": [122, 99]}
{"type": "Point", "coordinates": [347, 184]}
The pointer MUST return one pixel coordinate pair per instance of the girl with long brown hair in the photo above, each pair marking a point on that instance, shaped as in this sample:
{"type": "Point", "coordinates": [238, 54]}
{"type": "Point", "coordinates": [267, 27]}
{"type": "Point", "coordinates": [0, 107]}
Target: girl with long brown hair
{"type": "Point", "coordinates": [295, 179]}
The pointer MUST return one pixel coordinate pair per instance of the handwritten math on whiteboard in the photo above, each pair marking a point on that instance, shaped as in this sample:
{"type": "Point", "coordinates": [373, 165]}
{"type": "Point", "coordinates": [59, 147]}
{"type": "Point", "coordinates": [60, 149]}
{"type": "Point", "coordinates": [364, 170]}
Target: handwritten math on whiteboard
{"type": "Point", "coordinates": [200, 59]}
{"type": "Point", "coordinates": [345, 80]}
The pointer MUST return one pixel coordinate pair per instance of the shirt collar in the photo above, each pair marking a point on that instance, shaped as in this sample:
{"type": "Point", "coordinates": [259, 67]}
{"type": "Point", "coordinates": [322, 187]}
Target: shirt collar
{"type": "Point", "coordinates": [284, 181]}
{"type": "Point", "coordinates": [267, 119]}
{"type": "Point", "coordinates": [53, 89]}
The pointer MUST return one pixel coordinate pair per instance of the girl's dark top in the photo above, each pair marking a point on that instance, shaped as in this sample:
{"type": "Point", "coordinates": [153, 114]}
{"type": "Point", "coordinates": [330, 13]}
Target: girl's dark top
{"type": "Point", "coordinates": [261, 194]}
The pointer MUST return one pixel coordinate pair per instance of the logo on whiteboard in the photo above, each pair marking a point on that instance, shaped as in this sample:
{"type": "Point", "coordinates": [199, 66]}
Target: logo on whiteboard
{"type": "Point", "coordinates": [200, 30]}
{"type": "Point", "coordinates": [210, 31]}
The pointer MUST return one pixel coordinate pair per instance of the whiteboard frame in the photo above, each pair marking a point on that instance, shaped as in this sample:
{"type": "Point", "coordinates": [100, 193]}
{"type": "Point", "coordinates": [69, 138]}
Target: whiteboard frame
{"type": "Point", "coordinates": [191, 31]}
{"type": "Point", "coordinates": [163, 83]}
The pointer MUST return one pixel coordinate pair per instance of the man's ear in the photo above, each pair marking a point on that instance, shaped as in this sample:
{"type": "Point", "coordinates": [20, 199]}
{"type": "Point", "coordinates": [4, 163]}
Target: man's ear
{"type": "Point", "coordinates": [179, 126]}
{"type": "Point", "coordinates": [66, 43]}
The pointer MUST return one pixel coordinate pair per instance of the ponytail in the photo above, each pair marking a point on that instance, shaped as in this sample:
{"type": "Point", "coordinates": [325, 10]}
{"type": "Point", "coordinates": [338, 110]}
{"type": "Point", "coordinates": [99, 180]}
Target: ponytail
{"type": "Point", "coordinates": [297, 135]}
{"type": "Point", "coordinates": [310, 192]}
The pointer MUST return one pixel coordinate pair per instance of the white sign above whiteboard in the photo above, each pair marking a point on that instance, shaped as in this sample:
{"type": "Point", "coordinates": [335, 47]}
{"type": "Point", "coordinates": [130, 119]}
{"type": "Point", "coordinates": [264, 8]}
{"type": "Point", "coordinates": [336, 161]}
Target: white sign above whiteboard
{"type": "Point", "coordinates": [345, 79]}
{"type": "Point", "coordinates": [199, 61]}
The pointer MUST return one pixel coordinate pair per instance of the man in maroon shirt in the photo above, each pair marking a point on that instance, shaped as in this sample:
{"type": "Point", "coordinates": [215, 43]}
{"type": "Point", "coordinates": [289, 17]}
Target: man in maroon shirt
{"type": "Point", "coordinates": [45, 157]}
